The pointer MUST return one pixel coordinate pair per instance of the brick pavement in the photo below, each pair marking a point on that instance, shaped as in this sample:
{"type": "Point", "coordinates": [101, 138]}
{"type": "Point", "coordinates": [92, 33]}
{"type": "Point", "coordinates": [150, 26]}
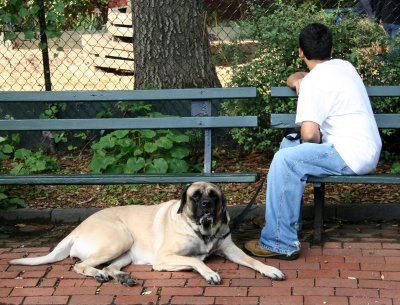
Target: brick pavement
{"type": "Point", "coordinates": [357, 265]}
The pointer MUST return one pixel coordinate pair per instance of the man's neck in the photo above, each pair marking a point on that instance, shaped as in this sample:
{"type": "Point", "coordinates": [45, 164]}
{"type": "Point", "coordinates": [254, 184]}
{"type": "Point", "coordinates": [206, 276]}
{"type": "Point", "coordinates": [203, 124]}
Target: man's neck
{"type": "Point", "coordinates": [313, 62]}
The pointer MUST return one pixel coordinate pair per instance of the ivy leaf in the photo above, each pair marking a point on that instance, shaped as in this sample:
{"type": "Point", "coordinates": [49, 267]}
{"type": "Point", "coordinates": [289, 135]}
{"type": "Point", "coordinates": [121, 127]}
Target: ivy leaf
{"type": "Point", "coordinates": [3, 196]}
{"type": "Point", "coordinates": [178, 166]}
{"type": "Point", "coordinates": [17, 169]}
{"type": "Point", "coordinates": [137, 152]}
{"type": "Point", "coordinates": [179, 138]}
{"type": "Point", "coordinates": [147, 133]}
{"type": "Point", "coordinates": [150, 147]}
{"type": "Point", "coordinates": [22, 154]}
{"type": "Point", "coordinates": [59, 7]}
{"type": "Point", "coordinates": [120, 133]}
{"type": "Point", "coordinates": [23, 12]}
{"type": "Point", "coordinates": [17, 202]}
{"type": "Point", "coordinates": [164, 142]}
{"type": "Point", "coordinates": [29, 35]}
{"type": "Point", "coordinates": [98, 164]}
{"type": "Point", "coordinates": [9, 36]}
{"type": "Point", "coordinates": [7, 149]}
{"type": "Point", "coordinates": [180, 152]}
{"type": "Point", "coordinates": [134, 165]}
{"type": "Point", "coordinates": [157, 166]}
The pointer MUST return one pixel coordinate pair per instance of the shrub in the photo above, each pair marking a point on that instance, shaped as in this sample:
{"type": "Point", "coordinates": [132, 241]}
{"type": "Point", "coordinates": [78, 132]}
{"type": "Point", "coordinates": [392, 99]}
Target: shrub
{"type": "Point", "coordinates": [361, 41]}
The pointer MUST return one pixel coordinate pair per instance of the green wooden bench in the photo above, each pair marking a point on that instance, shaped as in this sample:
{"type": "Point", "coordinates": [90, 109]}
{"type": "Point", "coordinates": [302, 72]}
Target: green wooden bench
{"type": "Point", "coordinates": [200, 101]}
{"type": "Point", "coordinates": [384, 121]}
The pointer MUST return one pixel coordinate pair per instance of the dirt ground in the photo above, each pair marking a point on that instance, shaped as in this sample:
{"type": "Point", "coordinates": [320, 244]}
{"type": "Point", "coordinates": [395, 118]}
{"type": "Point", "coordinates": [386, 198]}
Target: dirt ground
{"type": "Point", "coordinates": [70, 70]}
{"type": "Point", "coordinates": [73, 196]}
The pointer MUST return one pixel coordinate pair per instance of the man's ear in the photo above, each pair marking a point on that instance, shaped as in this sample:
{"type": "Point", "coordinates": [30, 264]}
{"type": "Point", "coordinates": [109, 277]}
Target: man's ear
{"type": "Point", "coordinates": [183, 198]}
{"type": "Point", "coordinates": [301, 54]}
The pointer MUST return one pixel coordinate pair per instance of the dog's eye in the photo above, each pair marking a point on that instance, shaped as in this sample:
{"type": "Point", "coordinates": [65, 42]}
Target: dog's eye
{"type": "Point", "coordinates": [196, 195]}
{"type": "Point", "coordinates": [213, 195]}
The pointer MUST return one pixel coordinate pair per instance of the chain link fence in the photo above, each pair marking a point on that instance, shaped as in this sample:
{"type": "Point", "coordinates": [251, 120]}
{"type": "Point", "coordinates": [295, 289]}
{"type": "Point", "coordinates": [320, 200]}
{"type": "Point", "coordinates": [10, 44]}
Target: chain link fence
{"type": "Point", "coordinates": [95, 48]}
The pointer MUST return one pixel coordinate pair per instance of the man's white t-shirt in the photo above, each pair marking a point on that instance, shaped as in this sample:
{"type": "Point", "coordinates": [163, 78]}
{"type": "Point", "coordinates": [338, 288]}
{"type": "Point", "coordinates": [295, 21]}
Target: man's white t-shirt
{"type": "Point", "coordinates": [334, 96]}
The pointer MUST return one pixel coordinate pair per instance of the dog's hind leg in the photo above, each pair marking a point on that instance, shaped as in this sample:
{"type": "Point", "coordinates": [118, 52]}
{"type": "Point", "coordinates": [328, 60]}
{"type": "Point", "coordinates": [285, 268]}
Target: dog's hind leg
{"type": "Point", "coordinates": [114, 269]}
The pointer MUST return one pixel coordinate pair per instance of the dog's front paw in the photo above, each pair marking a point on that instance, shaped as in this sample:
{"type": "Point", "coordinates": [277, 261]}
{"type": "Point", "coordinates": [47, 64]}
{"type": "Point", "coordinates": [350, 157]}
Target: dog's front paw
{"type": "Point", "coordinates": [102, 277]}
{"type": "Point", "coordinates": [213, 278]}
{"type": "Point", "coordinates": [273, 273]}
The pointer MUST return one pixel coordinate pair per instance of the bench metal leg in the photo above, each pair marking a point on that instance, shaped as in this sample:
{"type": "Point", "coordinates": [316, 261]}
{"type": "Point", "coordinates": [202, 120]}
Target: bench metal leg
{"type": "Point", "coordinates": [319, 202]}
{"type": "Point", "coordinates": [203, 108]}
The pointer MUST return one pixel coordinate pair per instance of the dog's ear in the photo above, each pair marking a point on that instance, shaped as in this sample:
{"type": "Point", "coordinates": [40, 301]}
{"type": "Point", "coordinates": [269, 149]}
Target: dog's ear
{"type": "Point", "coordinates": [183, 198]}
{"type": "Point", "coordinates": [224, 210]}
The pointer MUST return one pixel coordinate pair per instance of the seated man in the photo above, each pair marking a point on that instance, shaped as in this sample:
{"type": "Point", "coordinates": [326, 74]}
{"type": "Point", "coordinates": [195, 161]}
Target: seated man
{"type": "Point", "coordinates": [339, 136]}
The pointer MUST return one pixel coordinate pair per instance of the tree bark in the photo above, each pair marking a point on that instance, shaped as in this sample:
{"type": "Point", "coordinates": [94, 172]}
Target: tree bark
{"type": "Point", "coordinates": [171, 45]}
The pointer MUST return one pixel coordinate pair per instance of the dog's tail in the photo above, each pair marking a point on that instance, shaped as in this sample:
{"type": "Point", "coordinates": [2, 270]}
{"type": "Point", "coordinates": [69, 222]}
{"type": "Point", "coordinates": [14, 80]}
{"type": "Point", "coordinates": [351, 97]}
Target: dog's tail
{"type": "Point", "coordinates": [60, 252]}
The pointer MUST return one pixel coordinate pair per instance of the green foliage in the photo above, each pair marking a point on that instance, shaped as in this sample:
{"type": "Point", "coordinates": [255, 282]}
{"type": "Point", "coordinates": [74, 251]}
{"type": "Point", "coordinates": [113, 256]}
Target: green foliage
{"type": "Point", "coordinates": [395, 168]}
{"type": "Point", "coordinates": [21, 161]}
{"type": "Point", "coordinates": [361, 41]}
{"type": "Point", "coordinates": [60, 15]}
{"type": "Point", "coordinates": [7, 202]}
{"type": "Point", "coordinates": [140, 151]}
{"type": "Point", "coordinates": [28, 162]}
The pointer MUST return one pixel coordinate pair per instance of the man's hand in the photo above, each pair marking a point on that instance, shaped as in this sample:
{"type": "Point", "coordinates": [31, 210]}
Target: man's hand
{"type": "Point", "coordinates": [295, 79]}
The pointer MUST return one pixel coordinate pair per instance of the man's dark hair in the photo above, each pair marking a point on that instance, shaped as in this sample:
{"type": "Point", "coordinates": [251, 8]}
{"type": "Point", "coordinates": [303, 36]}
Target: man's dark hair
{"type": "Point", "coordinates": [316, 41]}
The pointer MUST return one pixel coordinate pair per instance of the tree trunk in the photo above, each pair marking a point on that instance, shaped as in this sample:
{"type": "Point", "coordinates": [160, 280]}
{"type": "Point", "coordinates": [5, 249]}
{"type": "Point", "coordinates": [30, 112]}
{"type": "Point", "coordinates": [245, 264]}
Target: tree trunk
{"type": "Point", "coordinates": [171, 45]}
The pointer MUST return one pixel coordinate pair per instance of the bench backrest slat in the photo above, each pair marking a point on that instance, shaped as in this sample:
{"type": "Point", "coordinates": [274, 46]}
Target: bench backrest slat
{"type": "Point", "coordinates": [128, 95]}
{"type": "Point", "coordinates": [130, 123]}
{"type": "Point", "coordinates": [373, 91]}
{"type": "Point", "coordinates": [283, 120]}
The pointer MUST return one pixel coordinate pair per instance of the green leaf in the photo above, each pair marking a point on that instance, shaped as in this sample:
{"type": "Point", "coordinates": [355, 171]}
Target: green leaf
{"type": "Point", "coordinates": [164, 142]}
{"type": "Point", "coordinates": [134, 165]}
{"type": "Point", "coordinates": [59, 7]}
{"type": "Point", "coordinates": [150, 147]}
{"type": "Point", "coordinates": [99, 164]}
{"type": "Point", "coordinates": [23, 12]}
{"type": "Point", "coordinates": [3, 139]}
{"type": "Point", "coordinates": [147, 133]}
{"type": "Point", "coordinates": [7, 149]}
{"type": "Point", "coordinates": [22, 154]}
{"type": "Point", "coordinates": [18, 168]}
{"type": "Point", "coordinates": [180, 152]}
{"type": "Point", "coordinates": [9, 36]}
{"type": "Point", "coordinates": [137, 151]}
{"type": "Point", "coordinates": [179, 138]}
{"type": "Point", "coordinates": [157, 166]}
{"type": "Point", "coordinates": [178, 166]}
{"type": "Point", "coordinates": [17, 202]}
{"type": "Point", "coordinates": [120, 133]}
{"type": "Point", "coordinates": [3, 196]}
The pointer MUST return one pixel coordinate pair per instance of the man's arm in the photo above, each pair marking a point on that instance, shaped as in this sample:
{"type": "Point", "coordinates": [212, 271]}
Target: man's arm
{"type": "Point", "coordinates": [295, 79]}
{"type": "Point", "coordinates": [310, 132]}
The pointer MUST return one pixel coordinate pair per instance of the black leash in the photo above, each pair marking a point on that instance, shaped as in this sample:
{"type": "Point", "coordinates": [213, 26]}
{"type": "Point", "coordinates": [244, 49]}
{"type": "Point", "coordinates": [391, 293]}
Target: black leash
{"type": "Point", "coordinates": [241, 216]}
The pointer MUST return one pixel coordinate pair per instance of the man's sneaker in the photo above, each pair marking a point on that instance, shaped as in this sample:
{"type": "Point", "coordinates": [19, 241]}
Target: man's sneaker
{"type": "Point", "coordinates": [253, 248]}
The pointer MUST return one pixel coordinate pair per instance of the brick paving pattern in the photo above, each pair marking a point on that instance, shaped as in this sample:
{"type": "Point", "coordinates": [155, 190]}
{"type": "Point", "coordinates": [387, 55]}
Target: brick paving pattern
{"type": "Point", "coordinates": [357, 265]}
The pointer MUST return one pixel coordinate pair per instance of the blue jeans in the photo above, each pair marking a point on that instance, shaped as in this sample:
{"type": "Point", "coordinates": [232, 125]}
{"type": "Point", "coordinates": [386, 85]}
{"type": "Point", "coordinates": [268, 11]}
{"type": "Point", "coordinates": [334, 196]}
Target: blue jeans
{"type": "Point", "coordinates": [286, 181]}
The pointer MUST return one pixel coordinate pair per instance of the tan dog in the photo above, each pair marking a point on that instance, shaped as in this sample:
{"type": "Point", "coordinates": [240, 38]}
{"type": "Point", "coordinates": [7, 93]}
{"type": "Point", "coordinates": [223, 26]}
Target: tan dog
{"type": "Point", "coordinates": [175, 235]}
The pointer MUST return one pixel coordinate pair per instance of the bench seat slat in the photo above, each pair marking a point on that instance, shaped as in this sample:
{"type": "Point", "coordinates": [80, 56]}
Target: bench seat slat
{"type": "Point", "coordinates": [283, 120]}
{"type": "Point", "coordinates": [362, 179]}
{"type": "Point", "coordinates": [127, 95]}
{"type": "Point", "coordinates": [373, 91]}
{"type": "Point", "coordinates": [101, 179]}
{"type": "Point", "coordinates": [129, 123]}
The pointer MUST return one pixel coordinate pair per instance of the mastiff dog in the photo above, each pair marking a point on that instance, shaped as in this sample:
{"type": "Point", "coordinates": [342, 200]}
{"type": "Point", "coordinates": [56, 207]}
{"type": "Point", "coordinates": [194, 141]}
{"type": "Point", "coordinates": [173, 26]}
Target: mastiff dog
{"type": "Point", "coordinates": [171, 236]}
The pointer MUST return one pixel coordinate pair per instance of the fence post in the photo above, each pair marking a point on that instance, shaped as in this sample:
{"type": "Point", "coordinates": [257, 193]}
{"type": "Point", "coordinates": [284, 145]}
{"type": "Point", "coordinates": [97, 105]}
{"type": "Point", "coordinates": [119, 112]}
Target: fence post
{"type": "Point", "coordinates": [44, 45]}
